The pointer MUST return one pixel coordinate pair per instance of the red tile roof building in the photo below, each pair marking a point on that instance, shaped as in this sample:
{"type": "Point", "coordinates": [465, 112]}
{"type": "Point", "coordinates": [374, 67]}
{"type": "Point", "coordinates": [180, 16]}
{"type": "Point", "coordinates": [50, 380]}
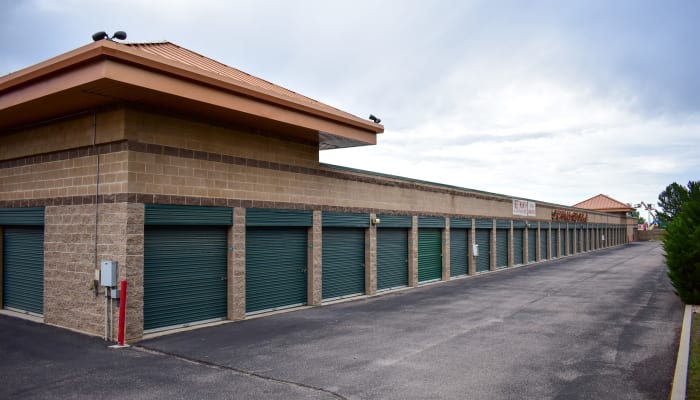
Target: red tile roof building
{"type": "Point", "coordinates": [606, 204]}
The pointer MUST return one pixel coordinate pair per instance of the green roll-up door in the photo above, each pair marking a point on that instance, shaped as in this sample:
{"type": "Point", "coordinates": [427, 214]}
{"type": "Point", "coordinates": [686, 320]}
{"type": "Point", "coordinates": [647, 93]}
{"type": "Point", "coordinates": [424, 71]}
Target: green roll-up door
{"type": "Point", "coordinates": [518, 246]}
{"type": "Point", "coordinates": [531, 245]}
{"type": "Point", "coordinates": [429, 254]}
{"type": "Point", "coordinates": [392, 258]}
{"type": "Point", "coordinates": [184, 275]}
{"type": "Point", "coordinates": [483, 240]}
{"type": "Point", "coordinates": [555, 242]}
{"type": "Point", "coordinates": [23, 269]}
{"type": "Point", "coordinates": [502, 248]}
{"type": "Point", "coordinates": [459, 252]}
{"type": "Point", "coordinates": [276, 267]}
{"type": "Point", "coordinates": [543, 244]}
{"type": "Point", "coordinates": [571, 241]}
{"type": "Point", "coordinates": [562, 241]}
{"type": "Point", "coordinates": [343, 262]}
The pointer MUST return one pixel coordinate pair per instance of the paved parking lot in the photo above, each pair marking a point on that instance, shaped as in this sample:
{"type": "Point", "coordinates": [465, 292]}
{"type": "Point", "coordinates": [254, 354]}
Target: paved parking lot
{"type": "Point", "coordinates": [603, 325]}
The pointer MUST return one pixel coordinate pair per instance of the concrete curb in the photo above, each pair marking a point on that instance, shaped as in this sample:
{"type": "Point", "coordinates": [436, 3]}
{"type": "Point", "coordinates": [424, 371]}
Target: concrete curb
{"type": "Point", "coordinates": [680, 378]}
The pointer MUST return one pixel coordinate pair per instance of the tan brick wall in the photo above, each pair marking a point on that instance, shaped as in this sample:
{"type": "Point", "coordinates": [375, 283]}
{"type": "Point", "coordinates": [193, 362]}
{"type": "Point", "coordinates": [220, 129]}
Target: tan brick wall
{"type": "Point", "coordinates": [175, 132]}
{"type": "Point", "coordinates": [63, 135]}
{"type": "Point", "coordinates": [65, 178]}
{"type": "Point", "coordinates": [69, 261]}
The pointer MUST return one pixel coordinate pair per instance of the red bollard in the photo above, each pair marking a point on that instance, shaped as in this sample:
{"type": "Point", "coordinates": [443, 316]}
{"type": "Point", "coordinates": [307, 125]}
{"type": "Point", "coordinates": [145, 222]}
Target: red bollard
{"type": "Point", "coordinates": [122, 312]}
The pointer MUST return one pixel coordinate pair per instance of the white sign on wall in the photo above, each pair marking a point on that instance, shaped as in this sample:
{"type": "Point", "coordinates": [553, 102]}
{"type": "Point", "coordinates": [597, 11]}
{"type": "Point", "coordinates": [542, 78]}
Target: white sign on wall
{"type": "Point", "coordinates": [524, 208]}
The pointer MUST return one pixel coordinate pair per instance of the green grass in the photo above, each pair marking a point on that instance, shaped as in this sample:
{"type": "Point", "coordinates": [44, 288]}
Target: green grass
{"type": "Point", "coordinates": [693, 390]}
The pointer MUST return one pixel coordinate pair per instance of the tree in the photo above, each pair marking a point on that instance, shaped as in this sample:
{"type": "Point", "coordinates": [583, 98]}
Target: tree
{"type": "Point", "coordinates": [635, 214]}
{"type": "Point", "coordinates": [682, 246]}
{"type": "Point", "coordinates": [672, 199]}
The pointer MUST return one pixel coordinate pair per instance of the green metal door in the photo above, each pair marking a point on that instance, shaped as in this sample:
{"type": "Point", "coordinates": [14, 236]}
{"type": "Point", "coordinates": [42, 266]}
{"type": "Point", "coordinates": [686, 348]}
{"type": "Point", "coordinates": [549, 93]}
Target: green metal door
{"type": "Point", "coordinates": [429, 254]}
{"type": "Point", "coordinates": [555, 242]}
{"type": "Point", "coordinates": [459, 254]}
{"type": "Point", "coordinates": [531, 245]}
{"type": "Point", "coordinates": [518, 246]}
{"type": "Point", "coordinates": [184, 275]}
{"type": "Point", "coordinates": [392, 258]}
{"type": "Point", "coordinates": [543, 244]}
{"type": "Point", "coordinates": [571, 241]}
{"type": "Point", "coordinates": [562, 241]}
{"type": "Point", "coordinates": [343, 262]}
{"type": "Point", "coordinates": [483, 260]}
{"type": "Point", "coordinates": [276, 267]}
{"type": "Point", "coordinates": [23, 269]}
{"type": "Point", "coordinates": [502, 248]}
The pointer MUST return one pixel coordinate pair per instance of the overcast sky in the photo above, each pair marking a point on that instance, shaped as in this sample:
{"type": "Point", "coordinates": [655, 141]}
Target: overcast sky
{"type": "Point", "coordinates": [555, 101]}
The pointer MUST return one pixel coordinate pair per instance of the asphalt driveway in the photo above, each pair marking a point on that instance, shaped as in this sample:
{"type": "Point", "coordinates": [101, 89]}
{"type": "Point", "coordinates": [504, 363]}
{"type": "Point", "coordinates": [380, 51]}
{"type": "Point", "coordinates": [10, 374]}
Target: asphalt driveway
{"type": "Point", "coordinates": [603, 325]}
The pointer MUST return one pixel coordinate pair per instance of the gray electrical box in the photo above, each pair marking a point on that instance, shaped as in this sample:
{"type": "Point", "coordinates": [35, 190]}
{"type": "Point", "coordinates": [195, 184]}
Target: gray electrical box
{"type": "Point", "coordinates": [475, 250]}
{"type": "Point", "coordinates": [108, 273]}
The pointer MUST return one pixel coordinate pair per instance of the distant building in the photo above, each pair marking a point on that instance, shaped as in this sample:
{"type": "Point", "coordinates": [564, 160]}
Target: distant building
{"type": "Point", "coordinates": [606, 204]}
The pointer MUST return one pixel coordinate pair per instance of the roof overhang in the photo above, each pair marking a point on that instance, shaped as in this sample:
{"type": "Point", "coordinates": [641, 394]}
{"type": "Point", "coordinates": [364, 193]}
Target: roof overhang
{"type": "Point", "coordinates": [105, 73]}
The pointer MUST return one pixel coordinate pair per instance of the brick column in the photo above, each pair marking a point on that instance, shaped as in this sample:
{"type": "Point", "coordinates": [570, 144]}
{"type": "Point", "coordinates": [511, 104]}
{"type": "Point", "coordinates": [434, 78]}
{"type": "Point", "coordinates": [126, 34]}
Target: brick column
{"type": "Point", "coordinates": [549, 242]}
{"type": "Point", "coordinates": [511, 249]}
{"type": "Point", "coordinates": [492, 255]}
{"type": "Point", "coordinates": [526, 243]}
{"type": "Point", "coordinates": [446, 251]}
{"type": "Point", "coordinates": [471, 268]}
{"type": "Point", "coordinates": [236, 281]}
{"type": "Point", "coordinates": [371, 257]}
{"type": "Point", "coordinates": [413, 253]}
{"type": "Point", "coordinates": [538, 243]}
{"type": "Point", "coordinates": [315, 293]}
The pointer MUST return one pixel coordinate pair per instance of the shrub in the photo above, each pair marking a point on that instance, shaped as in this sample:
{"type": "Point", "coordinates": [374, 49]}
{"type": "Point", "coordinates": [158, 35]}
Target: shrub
{"type": "Point", "coordinates": [682, 246]}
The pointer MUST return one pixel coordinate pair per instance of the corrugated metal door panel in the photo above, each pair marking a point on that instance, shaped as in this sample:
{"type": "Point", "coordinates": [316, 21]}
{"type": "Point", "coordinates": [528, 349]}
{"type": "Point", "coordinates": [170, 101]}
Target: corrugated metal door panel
{"type": "Point", "coordinates": [555, 242]}
{"type": "Point", "coordinates": [392, 258]}
{"type": "Point", "coordinates": [345, 220]}
{"type": "Point", "coordinates": [169, 214]}
{"type": "Point", "coordinates": [30, 216]}
{"type": "Point", "coordinates": [276, 267]}
{"type": "Point", "coordinates": [562, 241]}
{"type": "Point", "coordinates": [484, 224]}
{"type": "Point", "coordinates": [460, 223]}
{"type": "Point", "coordinates": [571, 241]}
{"type": "Point", "coordinates": [431, 222]}
{"type": "Point", "coordinates": [459, 251]}
{"type": "Point", "coordinates": [395, 221]}
{"type": "Point", "coordinates": [543, 244]}
{"type": "Point", "coordinates": [274, 217]}
{"type": "Point", "coordinates": [184, 275]}
{"type": "Point", "coordinates": [531, 245]}
{"type": "Point", "coordinates": [23, 268]}
{"type": "Point", "coordinates": [518, 246]}
{"type": "Point", "coordinates": [429, 254]}
{"type": "Point", "coordinates": [343, 262]}
{"type": "Point", "coordinates": [502, 248]}
{"type": "Point", "coordinates": [483, 239]}
{"type": "Point", "coordinates": [579, 239]}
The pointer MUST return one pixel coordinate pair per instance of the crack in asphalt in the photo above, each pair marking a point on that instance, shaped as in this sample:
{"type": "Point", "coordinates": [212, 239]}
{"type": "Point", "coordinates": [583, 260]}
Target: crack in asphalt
{"type": "Point", "coordinates": [238, 370]}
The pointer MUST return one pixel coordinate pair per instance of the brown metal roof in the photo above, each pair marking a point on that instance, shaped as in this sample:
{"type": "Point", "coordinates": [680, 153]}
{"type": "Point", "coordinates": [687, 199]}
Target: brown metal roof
{"type": "Point", "coordinates": [167, 76]}
{"type": "Point", "coordinates": [603, 203]}
{"type": "Point", "coordinates": [176, 53]}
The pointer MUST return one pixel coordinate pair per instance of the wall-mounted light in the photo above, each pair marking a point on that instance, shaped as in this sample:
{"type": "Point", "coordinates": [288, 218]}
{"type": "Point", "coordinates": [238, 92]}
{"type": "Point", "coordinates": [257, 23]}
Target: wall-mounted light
{"type": "Point", "coordinates": [97, 36]}
{"type": "Point", "coordinates": [376, 221]}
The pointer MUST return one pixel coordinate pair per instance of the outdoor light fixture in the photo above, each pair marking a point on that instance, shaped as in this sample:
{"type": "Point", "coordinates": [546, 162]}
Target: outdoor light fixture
{"type": "Point", "coordinates": [121, 35]}
{"type": "Point", "coordinates": [375, 119]}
